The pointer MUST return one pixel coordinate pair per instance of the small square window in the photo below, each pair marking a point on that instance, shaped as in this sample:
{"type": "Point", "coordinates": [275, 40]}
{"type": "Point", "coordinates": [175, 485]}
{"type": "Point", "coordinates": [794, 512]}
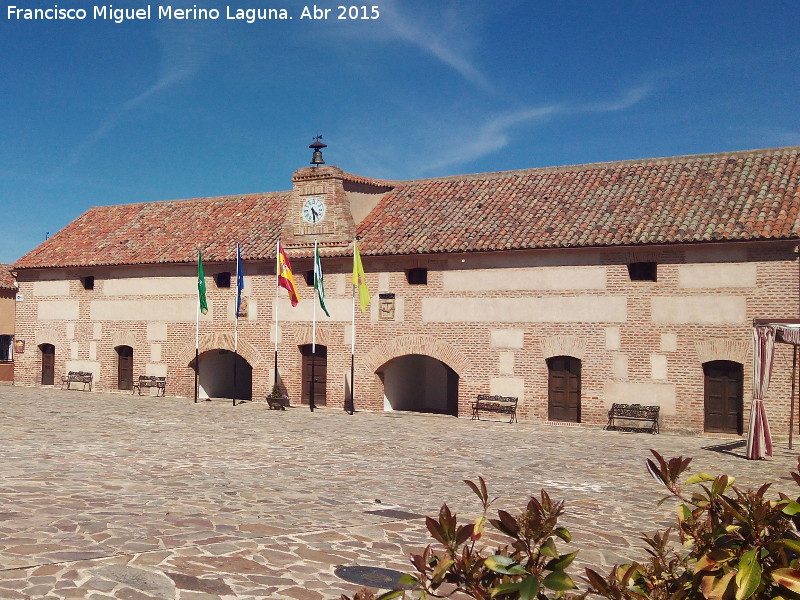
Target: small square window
{"type": "Point", "coordinates": [223, 280]}
{"type": "Point", "coordinates": [88, 282]}
{"type": "Point", "coordinates": [417, 276]}
{"type": "Point", "coordinates": [643, 271]}
{"type": "Point", "coordinates": [309, 277]}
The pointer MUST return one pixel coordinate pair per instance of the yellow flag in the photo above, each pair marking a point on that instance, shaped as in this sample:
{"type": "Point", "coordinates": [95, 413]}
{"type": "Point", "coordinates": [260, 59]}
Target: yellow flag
{"type": "Point", "coordinates": [359, 279]}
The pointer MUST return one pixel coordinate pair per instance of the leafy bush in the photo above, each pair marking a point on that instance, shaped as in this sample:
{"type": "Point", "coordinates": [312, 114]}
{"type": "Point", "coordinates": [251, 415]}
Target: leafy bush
{"type": "Point", "coordinates": [525, 566]}
{"type": "Point", "coordinates": [735, 545]}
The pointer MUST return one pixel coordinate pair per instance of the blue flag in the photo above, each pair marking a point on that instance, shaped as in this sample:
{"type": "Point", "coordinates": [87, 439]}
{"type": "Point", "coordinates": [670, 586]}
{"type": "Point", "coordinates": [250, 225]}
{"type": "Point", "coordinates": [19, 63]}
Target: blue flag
{"type": "Point", "coordinates": [239, 280]}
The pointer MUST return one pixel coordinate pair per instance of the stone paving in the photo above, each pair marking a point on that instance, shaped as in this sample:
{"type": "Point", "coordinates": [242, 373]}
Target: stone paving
{"type": "Point", "coordinates": [113, 496]}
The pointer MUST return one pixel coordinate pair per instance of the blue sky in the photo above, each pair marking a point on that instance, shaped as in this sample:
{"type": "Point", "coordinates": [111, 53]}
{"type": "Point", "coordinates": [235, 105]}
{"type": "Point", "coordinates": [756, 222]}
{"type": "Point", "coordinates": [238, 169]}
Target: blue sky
{"type": "Point", "coordinates": [95, 112]}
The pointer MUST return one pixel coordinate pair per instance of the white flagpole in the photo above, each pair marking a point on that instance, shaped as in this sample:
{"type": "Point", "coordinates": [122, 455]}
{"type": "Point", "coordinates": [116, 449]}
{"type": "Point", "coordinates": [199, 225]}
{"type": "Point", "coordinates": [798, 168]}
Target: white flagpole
{"type": "Point", "coordinates": [314, 314]}
{"type": "Point", "coordinates": [197, 325]}
{"type": "Point", "coordinates": [236, 326]}
{"type": "Point", "coordinates": [235, 307]}
{"type": "Point", "coordinates": [277, 292]}
{"type": "Point", "coordinates": [311, 403]}
{"type": "Point", "coordinates": [353, 341]}
{"type": "Point", "coordinates": [353, 293]}
{"type": "Point", "coordinates": [197, 345]}
{"type": "Point", "coordinates": [277, 289]}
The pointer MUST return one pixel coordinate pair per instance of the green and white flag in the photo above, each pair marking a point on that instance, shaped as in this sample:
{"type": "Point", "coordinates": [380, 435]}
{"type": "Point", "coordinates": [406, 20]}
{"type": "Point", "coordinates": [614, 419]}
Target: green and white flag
{"type": "Point", "coordinates": [318, 285]}
{"type": "Point", "coordinates": [201, 283]}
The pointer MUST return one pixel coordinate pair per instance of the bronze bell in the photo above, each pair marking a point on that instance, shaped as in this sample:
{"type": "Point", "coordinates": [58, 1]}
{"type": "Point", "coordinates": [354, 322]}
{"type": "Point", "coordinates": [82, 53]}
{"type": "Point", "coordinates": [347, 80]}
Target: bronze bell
{"type": "Point", "coordinates": [317, 146]}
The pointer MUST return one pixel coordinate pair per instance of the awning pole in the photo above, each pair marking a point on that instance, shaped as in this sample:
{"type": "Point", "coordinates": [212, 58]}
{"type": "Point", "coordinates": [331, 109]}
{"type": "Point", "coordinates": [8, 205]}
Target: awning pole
{"type": "Point", "coordinates": [794, 386]}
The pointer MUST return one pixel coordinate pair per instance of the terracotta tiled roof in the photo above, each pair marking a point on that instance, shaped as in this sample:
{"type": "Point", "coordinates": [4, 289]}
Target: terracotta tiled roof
{"type": "Point", "coordinates": [6, 279]}
{"type": "Point", "coordinates": [750, 195]}
{"type": "Point", "coordinates": [165, 232]}
{"type": "Point", "coordinates": [732, 196]}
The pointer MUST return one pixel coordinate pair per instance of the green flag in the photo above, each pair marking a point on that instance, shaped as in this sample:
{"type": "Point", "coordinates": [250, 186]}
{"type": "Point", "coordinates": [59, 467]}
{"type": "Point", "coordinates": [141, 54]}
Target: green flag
{"type": "Point", "coordinates": [201, 283]}
{"type": "Point", "coordinates": [318, 285]}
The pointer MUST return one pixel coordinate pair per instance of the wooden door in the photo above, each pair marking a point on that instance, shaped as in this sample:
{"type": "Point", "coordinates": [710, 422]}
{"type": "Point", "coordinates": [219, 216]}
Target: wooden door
{"type": "Point", "coordinates": [723, 396]}
{"type": "Point", "coordinates": [320, 370]}
{"type": "Point", "coordinates": [124, 368]}
{"type": "Point", "coordinates": [564, 389]}
{"type": "Point", "coordinates": [48, 363]}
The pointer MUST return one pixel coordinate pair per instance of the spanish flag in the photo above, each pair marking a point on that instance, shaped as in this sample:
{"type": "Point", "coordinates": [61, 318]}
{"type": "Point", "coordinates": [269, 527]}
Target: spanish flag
{"type": "Point", "coordinates": [359, 279]}
{"type": "Point", "coordinates": [285, 277]}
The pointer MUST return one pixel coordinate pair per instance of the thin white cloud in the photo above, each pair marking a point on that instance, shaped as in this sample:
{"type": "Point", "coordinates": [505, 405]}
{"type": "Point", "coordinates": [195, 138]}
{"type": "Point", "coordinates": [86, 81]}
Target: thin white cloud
{"type": "Point", "coordinates": [494, 134]}
{"type": "Point", "coordinates": [443, 37]}
{"type": "Point", "coordinates": [628, 99]}
{"type": "Point", "coordinates": [498, 131]}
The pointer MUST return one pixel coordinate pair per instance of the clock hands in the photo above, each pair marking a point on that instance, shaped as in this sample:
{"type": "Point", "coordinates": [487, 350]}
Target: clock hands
{"type": "Point", "coordinates": [314, 215]}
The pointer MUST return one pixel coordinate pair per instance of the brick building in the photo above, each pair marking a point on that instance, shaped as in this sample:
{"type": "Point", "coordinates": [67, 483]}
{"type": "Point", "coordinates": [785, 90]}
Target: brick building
{"type": "Point", "coordinates": [569, 287]}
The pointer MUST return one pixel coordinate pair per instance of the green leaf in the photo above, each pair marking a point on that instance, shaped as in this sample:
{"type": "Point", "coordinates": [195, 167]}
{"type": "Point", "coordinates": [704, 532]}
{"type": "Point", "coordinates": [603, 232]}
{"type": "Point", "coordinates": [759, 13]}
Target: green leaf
{"type": "Point", "coordinates": [684, 512]}
{"type": "Point", "coordinates": [390, 595]}
{"type": "Point", "coordinates": [720, 485]}
{"type": "Point", "coordinates": [549, 549]}
{"type": "Point", "coordinates": [563, 533]}
{"type": "Point", "coordinates": [788, 578]}
{"type": "Point", "coordinates": [793, 545]}
{"type": "Point", "coordinates": [792, 508]}
{"type": "Point", "coordinates": [559, 581]}
{"type": "Point", "coordinates": [528, 588]}
{"type": "Point", "coordinates": [749, 576]}
{"type": "Point", "coordinates": [407, 580]}
{"type": "Point", "coordinates": [441, 570]}
{"type": "Point", "coordinates": [562, 562]}
{"type": "Point", "coordinates": [504, 588]}
{"type": "Point", "coordinates": [504, 564]}
{"type": "Point", "coordinates": [698, 477]}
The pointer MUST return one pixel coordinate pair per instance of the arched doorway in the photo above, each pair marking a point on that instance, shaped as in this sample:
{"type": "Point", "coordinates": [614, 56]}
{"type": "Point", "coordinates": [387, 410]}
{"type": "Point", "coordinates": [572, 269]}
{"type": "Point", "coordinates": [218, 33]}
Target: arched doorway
{"type": "Point", "coordinates": [564, 389]}
{"type": "Point", "coordinates": [124, 367]}
{"type": "Point", "coordinates": [314, 365]}
{"type": "Point", "coordinates": [224, 374]}
{"type": "Point", "coordinates": [723, 396]}
{"type": "Point", "coordinates": [48, 363]}
{"type": "Point", "coordinates": [419, 383]}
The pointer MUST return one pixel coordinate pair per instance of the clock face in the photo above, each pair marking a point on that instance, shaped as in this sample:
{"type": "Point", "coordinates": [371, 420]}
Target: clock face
{"type": "Point", "coordinates": [313, 210]}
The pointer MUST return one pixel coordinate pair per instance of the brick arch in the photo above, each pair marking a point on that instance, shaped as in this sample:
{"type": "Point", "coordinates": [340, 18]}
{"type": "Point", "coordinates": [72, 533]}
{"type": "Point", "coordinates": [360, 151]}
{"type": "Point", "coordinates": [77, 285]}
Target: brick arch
{"type": "Point", "coordinates": [722, 349]}
{"type": "Point", "coordinates": [416, 344]}
{"type": "Point", "coordinates": [47, 336]}
{"type": "Point", "coordinates": [304, 335]}
{"type": "Point", "coordinates": [564, 345]}
{"type": "Point", "coordinates": [220, 341]}
{"type": "Point", "coordinates": [123, 337]}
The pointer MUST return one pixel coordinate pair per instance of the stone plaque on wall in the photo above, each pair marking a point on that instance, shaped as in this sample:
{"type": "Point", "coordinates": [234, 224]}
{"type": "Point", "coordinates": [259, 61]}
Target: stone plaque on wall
{"type": "Point", "coordinates": [386, 307]}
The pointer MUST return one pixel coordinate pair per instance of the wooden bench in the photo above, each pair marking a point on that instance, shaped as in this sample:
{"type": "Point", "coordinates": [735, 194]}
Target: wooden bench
{"type": "Point", "coordinates": [150, 381]}
{"type": "Point", "coordinates": [633, 412]}
{"type": "Point", "coordinates": [497, 404]}
{"type": "Point", "coordinates": [84, 377]}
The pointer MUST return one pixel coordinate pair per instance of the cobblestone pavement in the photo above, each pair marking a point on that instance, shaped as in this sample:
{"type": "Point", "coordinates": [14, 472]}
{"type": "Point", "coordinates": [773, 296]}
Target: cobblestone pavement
{"type": "Point", "coordinates": [111, 496]}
